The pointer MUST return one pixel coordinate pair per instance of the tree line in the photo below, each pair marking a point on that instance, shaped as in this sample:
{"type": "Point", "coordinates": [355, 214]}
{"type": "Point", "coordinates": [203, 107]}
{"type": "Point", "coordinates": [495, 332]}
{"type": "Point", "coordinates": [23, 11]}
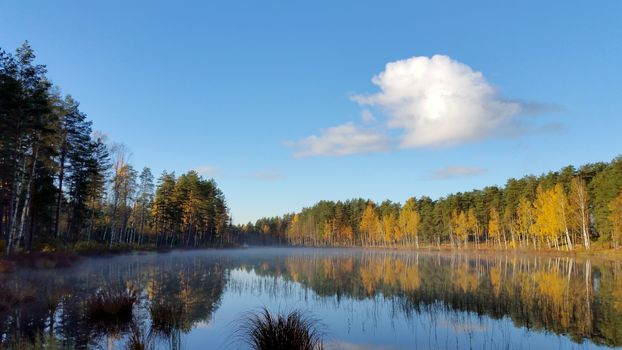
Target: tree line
{"type": "Point", "coordinates": [61, 184]}
{"type": "Point", "coordinates": [564, 209]}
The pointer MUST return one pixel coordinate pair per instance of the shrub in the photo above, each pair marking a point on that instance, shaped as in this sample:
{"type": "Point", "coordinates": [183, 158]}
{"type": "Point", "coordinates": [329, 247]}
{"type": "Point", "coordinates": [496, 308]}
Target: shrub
{"type": "Point", "coordinates": [48, 248]}
{"type": "Point", "coordinates": [89, 247]}
{"type": "Point", "coordinates": [293, 331]}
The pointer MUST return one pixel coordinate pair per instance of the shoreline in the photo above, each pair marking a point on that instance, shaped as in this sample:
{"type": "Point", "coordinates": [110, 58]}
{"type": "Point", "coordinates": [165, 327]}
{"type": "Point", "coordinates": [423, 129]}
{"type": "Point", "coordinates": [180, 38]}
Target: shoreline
{"type": "Point", "coordinates": [64, 259]}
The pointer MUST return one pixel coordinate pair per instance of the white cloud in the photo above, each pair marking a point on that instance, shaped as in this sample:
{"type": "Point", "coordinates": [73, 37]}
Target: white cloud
{"type": "Point", "coordinates": [438, 101]}
{"type": "Point", "coordinates": [206, 170]}
{"type": "Point", "coordinates": [455, 171]}
{"type": "Point", "coordinates": [430, 102]}
{"type": "Point", "coordinates": [341, 140]}
{"type": "Point", "coordinates": [367, 116]}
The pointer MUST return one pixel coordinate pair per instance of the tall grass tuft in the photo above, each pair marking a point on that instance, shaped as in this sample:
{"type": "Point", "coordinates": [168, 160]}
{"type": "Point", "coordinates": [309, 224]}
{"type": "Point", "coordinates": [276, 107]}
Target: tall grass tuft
{"type": "Point", "coordinates": [166, 317]}
{"type": "Point", "coordinates": [292, 331]}
{"type": "Point", "coordinates": [110, 311]}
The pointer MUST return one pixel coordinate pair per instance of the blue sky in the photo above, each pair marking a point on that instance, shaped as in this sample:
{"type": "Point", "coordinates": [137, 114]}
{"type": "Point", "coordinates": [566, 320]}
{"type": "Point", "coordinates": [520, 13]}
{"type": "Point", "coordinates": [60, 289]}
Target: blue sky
{"type": "Point", "coordinates": [275, 99]}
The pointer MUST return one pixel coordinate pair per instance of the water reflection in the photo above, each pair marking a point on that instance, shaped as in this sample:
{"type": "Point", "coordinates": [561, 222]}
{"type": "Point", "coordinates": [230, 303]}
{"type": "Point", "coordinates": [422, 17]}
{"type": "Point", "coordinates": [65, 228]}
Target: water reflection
{"type": "Point", "coordinates": [397, 299]}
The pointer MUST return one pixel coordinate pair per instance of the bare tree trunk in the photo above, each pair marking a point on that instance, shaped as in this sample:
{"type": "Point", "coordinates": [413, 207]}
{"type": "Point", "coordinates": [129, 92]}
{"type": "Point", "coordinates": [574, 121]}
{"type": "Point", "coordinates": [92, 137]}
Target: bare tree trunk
{"type": "Point", "coordinates": [568, 241]}
{"type": "Point", "coordinates": [142, 223]}
{"type": "Point", "coordinates": [26, 207]}
{"type": "Point", "coordinates": [59, 199]}
{"type": "Point", "coordinates": [15, 206]}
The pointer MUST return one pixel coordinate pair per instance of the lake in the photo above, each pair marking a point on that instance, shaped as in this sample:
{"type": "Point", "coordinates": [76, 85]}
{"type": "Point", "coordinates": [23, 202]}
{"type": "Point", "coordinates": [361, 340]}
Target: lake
{"type": "Point", "coordinates": [363, 299]}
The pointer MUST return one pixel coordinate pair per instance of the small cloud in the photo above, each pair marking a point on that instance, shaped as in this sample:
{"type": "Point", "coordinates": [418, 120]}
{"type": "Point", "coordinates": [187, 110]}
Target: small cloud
{"type": "Point", "coordinates": [268, 176]}
{"type": "Point", "coordinates": [341, 140]}
{"type": "Point", "coordinates": [206, 170]}
{"type": "Point", "coordinates": [438, 101]}
{"type": "Point", "coordinates": [367, 116]}
{"type": "Point", "coordinates": [455, 171]}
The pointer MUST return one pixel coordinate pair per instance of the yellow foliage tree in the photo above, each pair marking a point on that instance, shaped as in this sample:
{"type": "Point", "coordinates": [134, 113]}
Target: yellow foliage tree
{"type": "Point", "coordinates": [461, 228]}
{"type": "Point", "coordinates": [409, 222]}
{"type": "Point", "coordinates": [494, 230]}
{"type": "Point", "coordinates": [293, 232]}
{"type": "Point", "coordinates": [615, 216]}
{"type": "Point", "coordinates": [509, 222]}
{"type": "Point", "coordinates": [369, 224]}
{"type": "Point", "coordinates": [347, 233]}
{"type": "Point", "coordinates": [389, 229]}
{"type": "Point", "coordinates": [524, 220]}
{"type": "Point", "coordinates": [551, 212]}
{"type": "Point", "coordinates": [473, 225]}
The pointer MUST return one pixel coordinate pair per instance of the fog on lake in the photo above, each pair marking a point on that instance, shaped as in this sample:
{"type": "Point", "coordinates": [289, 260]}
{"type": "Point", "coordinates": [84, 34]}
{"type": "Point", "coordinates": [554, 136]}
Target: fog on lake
{"type": "Point", "coordinates": [363, 299]}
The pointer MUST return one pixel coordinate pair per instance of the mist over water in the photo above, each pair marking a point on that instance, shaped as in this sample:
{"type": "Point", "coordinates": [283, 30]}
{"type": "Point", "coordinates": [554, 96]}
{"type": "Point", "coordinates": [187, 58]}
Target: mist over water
{"type": "Point", "coordinates": [364, 299]}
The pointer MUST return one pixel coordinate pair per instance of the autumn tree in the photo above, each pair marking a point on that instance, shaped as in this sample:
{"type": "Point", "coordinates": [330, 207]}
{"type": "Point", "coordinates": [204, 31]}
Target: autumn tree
{"type": "Point", "coordinates": [615, 216]}
{"type": "Point", "coordinates": [578, 201]}
{"type": "Point", "coordinates": [494, 230]}
{"type": "Point", "coordinates": [369, 224]}
{"type": "Point", "coordinates": [409, 221]}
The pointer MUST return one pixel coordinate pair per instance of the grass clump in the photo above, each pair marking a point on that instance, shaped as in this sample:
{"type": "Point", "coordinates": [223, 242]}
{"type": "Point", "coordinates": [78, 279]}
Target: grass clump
{"type": "Point", "coordinates": [110, 311]}
{"type": "Point", "coordinates": [292, 331]}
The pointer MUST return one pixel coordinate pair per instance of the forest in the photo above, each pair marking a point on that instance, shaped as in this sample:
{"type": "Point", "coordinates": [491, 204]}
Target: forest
{"type": "Point", "coordinates": [63, 185]}
{"type": "Point", "coordinates": [567, 209]}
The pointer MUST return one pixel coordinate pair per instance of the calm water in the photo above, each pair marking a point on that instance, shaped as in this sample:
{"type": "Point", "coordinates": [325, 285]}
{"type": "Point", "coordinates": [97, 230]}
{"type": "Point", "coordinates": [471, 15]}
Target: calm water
{"type": "Point", "coordinates": [364, 299]}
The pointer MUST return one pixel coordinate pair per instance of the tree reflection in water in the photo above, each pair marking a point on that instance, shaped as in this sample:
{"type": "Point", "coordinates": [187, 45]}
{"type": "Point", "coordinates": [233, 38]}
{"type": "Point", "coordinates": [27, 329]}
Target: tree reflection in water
{"type": "Point", "coordinates": [177, 292]}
